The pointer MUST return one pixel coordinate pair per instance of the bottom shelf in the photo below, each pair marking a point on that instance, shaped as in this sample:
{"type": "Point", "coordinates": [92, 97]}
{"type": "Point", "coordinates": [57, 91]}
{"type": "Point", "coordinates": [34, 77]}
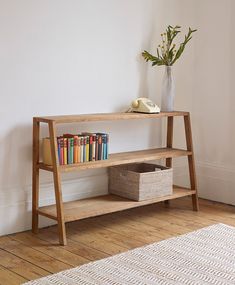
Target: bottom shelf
{"type": "Point", "coordinates": [91, 207]}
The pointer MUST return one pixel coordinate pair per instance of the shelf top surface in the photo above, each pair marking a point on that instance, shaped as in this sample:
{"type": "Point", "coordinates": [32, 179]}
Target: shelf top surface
{"type": "Point", "coordinates": [123, 158]}
{"type": "Point", "coordinates": [90, 207]}
{"type": "Point", "coordinates": [107, 117]}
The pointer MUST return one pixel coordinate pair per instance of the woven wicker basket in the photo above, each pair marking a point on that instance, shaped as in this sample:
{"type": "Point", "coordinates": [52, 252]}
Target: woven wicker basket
{"type": "Point", "coordinates": [140, 181]}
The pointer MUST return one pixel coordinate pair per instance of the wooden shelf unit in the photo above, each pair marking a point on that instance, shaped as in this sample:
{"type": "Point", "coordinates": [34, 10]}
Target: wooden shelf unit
{"type": "Point", "coordinates": [76, 210]}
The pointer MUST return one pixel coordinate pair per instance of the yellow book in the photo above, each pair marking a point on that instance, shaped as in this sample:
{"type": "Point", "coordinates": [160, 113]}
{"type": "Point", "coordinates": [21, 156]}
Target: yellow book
{"type": "Point", "coordinates": [87, 148]}
{"type": "Point", "coordinates": [46, 151]}
{"type": "Point", "coordinates": [81, 149]}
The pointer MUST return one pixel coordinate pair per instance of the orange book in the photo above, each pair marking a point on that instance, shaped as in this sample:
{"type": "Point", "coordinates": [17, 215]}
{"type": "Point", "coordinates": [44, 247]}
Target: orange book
{"type": "Point", "coordinates": [81, 148]}
{"type": "Point", "coordinates": [75, 150]}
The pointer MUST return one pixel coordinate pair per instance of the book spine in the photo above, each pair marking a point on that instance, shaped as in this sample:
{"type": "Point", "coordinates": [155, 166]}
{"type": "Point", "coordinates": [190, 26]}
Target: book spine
{"type": "Point", "coordinates": [93, 147]}
{"type": "Point", "coordinates": [104, 141]}
{"type": "Point", "coordinates": [58, 149]}
{"type": "Point", "coordinates": [75, 149]}
{"type": "Point", "coordinates": [107, 146]}
{"type": "Point", "coordinates": [96, 147]}
{"type": "Point", "coordinates": [81, 150]}
{"type": "Point", "coordinates": [99, 147]}
{"type": "Point", "coordinates": [61, 146]}
{"type": "Point", "coordinates": [87, 148]}
{"type": "Point", "coordinates": [103, 147]}
{"type": "Point", "coordinates": [84, 149]}
{"type": "Point", "coordinates": [65, 150]}
{"type": "Point", "coordinates": [71, 150]}
{"type": "Point", "coordinates": [61, 150]}
{"type": "Point", "coordinates": [90, 147]}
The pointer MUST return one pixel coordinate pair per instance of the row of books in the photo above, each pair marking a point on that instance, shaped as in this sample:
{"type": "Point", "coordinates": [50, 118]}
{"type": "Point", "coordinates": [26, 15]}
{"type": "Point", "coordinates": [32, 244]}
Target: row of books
{"type": "Point", "coordinates": [82, 148]}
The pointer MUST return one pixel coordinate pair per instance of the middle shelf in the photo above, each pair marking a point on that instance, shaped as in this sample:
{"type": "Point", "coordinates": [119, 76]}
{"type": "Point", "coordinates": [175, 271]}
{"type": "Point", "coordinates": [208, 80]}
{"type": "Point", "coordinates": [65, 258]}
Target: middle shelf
{"type": "Point", "coordinates": [122, 158]}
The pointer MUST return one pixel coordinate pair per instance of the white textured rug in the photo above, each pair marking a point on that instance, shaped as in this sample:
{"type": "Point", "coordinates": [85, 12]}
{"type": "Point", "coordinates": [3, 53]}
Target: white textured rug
{"type": "Point", "coordinates": [206, 256]}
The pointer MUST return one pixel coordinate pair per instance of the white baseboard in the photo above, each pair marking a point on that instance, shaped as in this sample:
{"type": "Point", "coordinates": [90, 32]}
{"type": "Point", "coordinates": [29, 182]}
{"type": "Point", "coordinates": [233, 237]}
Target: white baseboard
{"type": "Point", "coordinates": [214, 183]}
{"type": "Point", "coordinates": [16, 208]}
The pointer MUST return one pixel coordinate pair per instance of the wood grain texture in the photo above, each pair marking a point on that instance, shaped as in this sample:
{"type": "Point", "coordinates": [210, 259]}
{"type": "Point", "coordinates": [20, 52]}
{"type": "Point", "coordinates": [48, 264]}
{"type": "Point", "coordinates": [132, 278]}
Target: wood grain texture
{"type": "Point", "coordinates": [169, 144]}
{"type": "Point", "coordinates": [9, 277]}
{"type": "Point", "coordinates": [106, 117]}
{"type": "Point", "coordinates": [35, 175]}
{"type": "Point", "coordinates": [33, 256]}
{"type": "Point", "coordinates": [57, 185]}
{"type": "Point", "coordinates": [98, 206]}
{"type": "Point", "coordinates": [123, 158]}
{"type": "Point", "coordinates": [81, 209]}
{"type": "Point", "coordinates": [169, 139]}
{"type": "Point", "coordinates": [191, 161]}
{"type": "Point", "coordinates": [18, 265]}
{"type": "Point", "coordinates": [25, 256]}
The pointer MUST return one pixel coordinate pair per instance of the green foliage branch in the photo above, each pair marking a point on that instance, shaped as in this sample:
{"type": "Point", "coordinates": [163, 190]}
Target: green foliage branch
{"type": "Point", "coordinates": [167, 52]}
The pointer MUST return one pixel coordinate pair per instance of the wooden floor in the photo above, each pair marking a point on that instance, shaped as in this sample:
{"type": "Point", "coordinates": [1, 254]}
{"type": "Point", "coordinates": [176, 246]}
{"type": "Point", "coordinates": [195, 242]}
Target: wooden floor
{"type": "Point", "coordinates": [25, 256]}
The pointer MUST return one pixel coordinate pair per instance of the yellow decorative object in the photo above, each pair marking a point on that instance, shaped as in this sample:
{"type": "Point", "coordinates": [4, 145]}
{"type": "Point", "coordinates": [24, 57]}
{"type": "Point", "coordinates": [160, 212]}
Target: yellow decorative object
{"type": "Point", "coordinates": [46, 151]}
{"type": "Point", "coordinates": [144, 105]}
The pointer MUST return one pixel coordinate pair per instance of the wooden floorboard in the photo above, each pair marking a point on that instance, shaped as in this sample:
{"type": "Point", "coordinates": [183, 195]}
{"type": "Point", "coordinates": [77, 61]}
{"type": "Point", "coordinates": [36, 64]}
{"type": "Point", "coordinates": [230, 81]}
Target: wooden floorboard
{"type": "Point", "coordinates": [25, 256]}
{"type": "Point", "coordinates": [9, 277]}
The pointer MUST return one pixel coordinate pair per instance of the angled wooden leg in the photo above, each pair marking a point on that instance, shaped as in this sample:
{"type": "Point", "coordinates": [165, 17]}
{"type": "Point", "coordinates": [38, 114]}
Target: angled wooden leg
{"type": "Point", "coordinates": [169, 143]}
{"type": "Point", "coordinates": [35, 180]}
{"type": "Point", "coordinates": [57, 185]}
{"type": "Point", "coordinates": [191, 161]}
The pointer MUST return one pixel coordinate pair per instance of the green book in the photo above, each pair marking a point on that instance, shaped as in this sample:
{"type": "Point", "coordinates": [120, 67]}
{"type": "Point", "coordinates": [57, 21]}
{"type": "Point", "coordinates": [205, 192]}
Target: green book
{"type": "Point", "coordinates": [71, 150]}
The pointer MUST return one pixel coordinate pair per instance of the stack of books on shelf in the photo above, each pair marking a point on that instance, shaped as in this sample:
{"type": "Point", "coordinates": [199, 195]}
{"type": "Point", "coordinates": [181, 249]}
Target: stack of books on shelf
{"type": "Point", "coordinates": [78, 148]}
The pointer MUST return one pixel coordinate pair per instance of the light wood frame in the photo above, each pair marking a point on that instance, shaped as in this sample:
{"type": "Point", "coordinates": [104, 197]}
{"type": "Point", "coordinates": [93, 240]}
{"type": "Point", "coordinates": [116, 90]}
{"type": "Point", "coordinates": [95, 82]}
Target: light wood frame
{"type": "Point", "coordinates": [75, 210]}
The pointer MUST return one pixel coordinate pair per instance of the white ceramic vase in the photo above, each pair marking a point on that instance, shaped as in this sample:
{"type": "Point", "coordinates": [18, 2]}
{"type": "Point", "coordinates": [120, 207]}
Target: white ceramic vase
{"type": "Point", "coordinates": [168, 91]}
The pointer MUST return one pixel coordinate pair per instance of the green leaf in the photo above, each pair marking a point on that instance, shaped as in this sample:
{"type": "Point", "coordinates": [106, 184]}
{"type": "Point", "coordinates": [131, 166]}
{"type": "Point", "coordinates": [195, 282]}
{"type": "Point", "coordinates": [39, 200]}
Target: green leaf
{"type": "Point", "coordinates": [168, 57]}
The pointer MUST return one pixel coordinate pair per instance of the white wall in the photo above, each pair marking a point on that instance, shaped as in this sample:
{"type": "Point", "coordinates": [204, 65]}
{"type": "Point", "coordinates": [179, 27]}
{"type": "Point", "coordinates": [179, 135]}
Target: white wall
{"type": "Point", "coordinates": [204, 79]}
{"type": "Point", "coordinates": [213, 99]}
{"type": "Point", "coordinates": [67, 57]}
{"type": "Point", "coordinates": [83, 56]}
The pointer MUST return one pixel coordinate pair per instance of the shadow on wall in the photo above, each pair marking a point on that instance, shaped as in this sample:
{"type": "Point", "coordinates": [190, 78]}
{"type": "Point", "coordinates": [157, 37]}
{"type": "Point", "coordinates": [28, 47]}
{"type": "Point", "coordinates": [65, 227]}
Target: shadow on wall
{"type": "Point", "coordinates": [16, 157]}
{"type": "Point", "coordinates": [15, 173]}
{"type": "Point", "coordinates": [16, 167]}
{"type": "Point", "coordinates": [15, 178]}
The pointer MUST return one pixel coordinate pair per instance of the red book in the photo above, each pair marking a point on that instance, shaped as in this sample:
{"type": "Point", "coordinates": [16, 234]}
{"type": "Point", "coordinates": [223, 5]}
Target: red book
{"type": "Point", "coordinates": [96, 147]}
{"type": "Point", "coordinates": [90, 147]}
{"type": "Point", "coordinates": [93, 147]}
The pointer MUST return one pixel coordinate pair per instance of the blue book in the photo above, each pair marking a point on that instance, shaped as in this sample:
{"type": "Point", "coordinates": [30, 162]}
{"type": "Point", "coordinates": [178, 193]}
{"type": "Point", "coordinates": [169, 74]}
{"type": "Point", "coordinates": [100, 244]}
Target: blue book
{"type": "Point", "coordinates": [104, 146]}
{"type": "Point", "coordinates": [58, 148]}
